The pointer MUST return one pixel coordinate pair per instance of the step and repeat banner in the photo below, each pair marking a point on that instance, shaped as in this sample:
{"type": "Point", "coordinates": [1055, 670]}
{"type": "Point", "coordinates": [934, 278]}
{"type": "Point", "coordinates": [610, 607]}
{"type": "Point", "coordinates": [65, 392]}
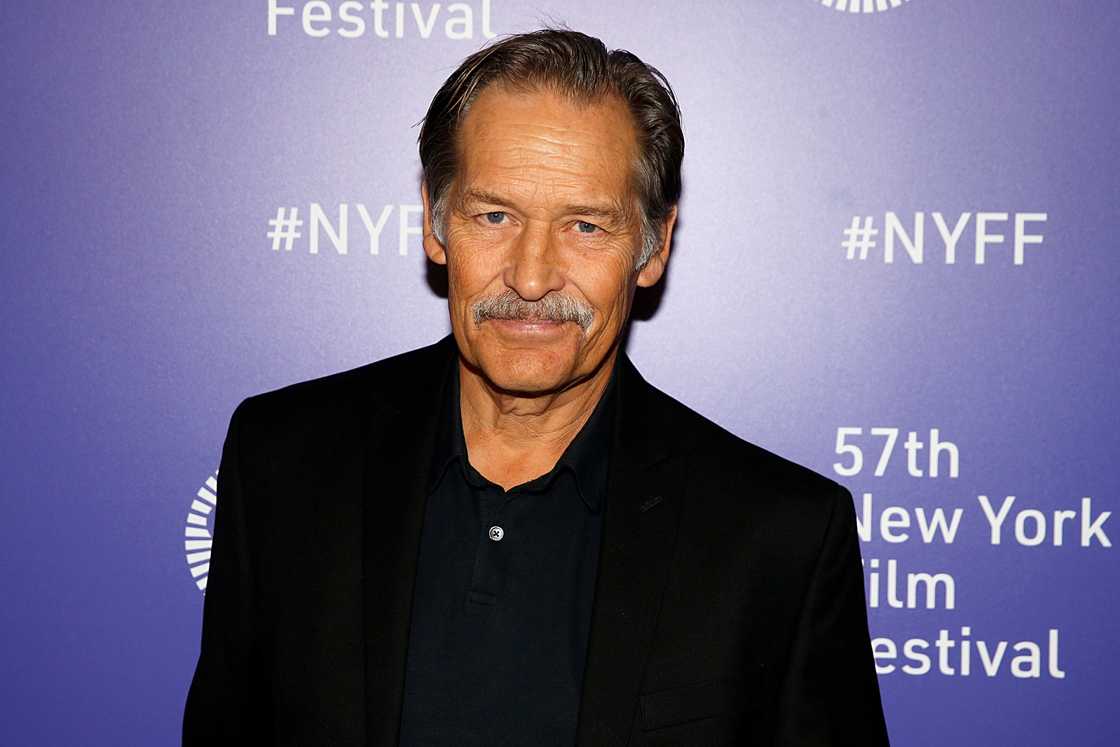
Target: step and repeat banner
{"type": "Point", "coordinates": [896, 263]}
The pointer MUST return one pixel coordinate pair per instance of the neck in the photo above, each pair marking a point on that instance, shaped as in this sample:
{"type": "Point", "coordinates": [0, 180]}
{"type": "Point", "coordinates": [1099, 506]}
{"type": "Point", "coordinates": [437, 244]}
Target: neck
{"type": "Point", "coordinates": [513, 438]}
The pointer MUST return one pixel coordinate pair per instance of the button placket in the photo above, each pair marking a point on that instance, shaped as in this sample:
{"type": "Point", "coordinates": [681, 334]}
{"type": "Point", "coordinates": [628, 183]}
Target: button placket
{"type": "Point", "coordinates": [492, 557]}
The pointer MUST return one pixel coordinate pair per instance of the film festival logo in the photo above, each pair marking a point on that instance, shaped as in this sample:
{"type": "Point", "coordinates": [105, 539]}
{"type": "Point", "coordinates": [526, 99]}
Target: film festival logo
{"type": "Point", "coordinates": [198, 534]}
{"type": "Point", "coordinates": [862, 6]}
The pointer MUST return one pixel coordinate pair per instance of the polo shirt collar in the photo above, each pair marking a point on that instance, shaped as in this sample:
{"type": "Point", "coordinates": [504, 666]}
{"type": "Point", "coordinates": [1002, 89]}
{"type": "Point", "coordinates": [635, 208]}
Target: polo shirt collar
{"type": "Point", "coordinates": [586, 457]}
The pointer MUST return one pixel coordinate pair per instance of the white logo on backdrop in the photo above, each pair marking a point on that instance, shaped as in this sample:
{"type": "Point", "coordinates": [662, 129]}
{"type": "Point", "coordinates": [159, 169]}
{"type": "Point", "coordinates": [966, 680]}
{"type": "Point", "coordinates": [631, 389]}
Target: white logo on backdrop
{"type": "Point", "coordinates": [382, 19]}
{"type": "Point", "coordinates": [346, 226]}
{"type": "Point", "coordinates": [197, 535]}
{"type": "Point", "coordinates": [862, 6]}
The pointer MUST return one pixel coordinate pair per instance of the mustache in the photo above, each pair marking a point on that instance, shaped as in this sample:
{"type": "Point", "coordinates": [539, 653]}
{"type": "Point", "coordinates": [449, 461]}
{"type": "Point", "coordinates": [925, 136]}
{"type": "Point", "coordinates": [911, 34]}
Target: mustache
{"type": "Point", "coordinates": [552, 307]}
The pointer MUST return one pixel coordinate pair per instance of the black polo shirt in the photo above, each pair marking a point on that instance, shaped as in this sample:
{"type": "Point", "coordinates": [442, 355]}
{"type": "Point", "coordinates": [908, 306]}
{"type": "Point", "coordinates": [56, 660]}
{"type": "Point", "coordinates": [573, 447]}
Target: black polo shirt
{"type": "Point", "coordinates": [504, 589]}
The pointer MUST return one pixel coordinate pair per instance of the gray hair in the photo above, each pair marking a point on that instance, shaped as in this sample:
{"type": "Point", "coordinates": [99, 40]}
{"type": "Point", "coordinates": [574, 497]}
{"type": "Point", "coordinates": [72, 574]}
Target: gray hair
{"type": "Point", "coordinates": [552, 306]}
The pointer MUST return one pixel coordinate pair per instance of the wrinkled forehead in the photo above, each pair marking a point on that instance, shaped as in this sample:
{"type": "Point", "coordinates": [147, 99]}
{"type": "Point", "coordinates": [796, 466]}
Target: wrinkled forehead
{"type": "Point", "coordinates": [541, 145]}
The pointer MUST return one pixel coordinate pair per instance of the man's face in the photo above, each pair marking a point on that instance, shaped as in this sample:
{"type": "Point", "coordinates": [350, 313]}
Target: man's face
{"type": "Point", "coordinates": [542, 233]}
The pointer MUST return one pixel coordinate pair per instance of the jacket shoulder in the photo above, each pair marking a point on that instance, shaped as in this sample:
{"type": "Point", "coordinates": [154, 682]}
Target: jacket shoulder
{"type": "Point", "coordinates": [381, 384]}
{"type": "Point", "coordinates": [718, 452]}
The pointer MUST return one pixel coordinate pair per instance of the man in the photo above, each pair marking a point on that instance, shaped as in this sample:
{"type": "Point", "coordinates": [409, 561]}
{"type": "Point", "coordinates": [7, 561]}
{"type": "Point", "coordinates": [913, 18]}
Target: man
{"type": "Point", "coordinates": [509, 537]}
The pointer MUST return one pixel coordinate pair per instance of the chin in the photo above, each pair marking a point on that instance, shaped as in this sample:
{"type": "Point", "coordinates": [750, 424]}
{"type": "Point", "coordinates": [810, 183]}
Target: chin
{"type": "Point", "coordinates": [525, 365]}
{"type": "Point", "coordinates": [526, 370]}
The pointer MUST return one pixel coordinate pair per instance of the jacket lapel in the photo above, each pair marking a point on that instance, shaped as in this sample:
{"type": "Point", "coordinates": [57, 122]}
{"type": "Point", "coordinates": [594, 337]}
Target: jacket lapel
{"type": "Point", "coordinates": [639, 531]}
{"type": "Point", "coordinates": [399, 451]}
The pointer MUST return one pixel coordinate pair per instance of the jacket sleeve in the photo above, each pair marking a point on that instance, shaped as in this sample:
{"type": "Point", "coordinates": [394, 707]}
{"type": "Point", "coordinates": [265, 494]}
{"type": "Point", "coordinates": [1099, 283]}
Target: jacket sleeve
{"type": "Point", "coordinates": [220, 704]}
{"type": "Point", "coordinates": [831, 692]}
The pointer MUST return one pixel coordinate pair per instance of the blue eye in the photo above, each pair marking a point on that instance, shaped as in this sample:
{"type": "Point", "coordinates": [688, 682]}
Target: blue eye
{"type": "Point", "coordinates": [495, 217]}
{"type": "Point", "coordinates": [585, 227]}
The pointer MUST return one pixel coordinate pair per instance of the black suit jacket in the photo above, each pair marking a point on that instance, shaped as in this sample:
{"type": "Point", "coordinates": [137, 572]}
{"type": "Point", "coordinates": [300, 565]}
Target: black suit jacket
{"type": "Point", "coordinates": [729, 604]}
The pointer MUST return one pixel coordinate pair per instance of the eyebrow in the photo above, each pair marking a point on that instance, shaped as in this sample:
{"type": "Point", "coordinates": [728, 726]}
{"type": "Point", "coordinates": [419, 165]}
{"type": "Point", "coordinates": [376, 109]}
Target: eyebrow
{"type": "Point", "coordinates": [597, 211]}
{"type": "Point", "coordinates": [478, 195]}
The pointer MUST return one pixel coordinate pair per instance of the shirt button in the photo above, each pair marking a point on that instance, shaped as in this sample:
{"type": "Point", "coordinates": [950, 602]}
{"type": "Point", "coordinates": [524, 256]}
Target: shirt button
{"type": "Point", "coordinates": [496, 533]}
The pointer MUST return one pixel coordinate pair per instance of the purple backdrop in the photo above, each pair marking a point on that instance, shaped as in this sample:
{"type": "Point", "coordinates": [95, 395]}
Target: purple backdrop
{"type": "Point", "coordinates": [147, 147]}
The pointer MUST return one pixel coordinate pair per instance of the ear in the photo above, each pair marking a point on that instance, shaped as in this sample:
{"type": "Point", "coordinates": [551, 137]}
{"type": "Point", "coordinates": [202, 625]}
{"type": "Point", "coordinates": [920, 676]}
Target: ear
{"type": "Point", "coordinates": [654, 267]}
{"type": "Point", "coordinates": [435, 250]}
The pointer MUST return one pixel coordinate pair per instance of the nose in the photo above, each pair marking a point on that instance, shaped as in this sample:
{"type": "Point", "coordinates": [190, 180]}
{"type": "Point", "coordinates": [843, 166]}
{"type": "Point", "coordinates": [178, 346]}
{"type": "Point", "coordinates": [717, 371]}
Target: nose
{"type": "Point", "coordinates": [532, 268]}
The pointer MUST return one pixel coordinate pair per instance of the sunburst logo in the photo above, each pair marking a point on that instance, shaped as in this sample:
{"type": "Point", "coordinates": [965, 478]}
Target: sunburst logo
{"type": "Point", "coordinates": [862, 6]}
{"type": "Point", "coordinates": [197, 538]}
